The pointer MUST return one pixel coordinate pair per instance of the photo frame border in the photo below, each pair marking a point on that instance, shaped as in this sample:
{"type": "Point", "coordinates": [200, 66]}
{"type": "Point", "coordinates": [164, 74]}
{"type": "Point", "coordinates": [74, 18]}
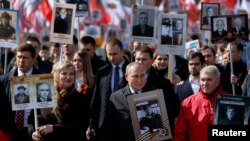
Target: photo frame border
{"type": "Point", "coordinates": [232, 100]}
{"type": "Point", "coordinates": [172, 49]}
{"type": "Point", "coordinates": [229, 37]}
{"type": "Point", "coordinates": [203, 4]}
{"type": "Point", "coordinates": [31, 82]}
{"type": "Point", "coordinates": [11, 43]}
{"type": "Point", "coordinates": [58, 37]}
{"type": "Point", "coordinates": [165, 132]}
{"type": "Point", "coordinates": [143, 39]}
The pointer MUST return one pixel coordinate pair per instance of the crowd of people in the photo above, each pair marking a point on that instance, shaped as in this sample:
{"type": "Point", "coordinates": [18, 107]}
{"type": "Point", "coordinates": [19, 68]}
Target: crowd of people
{"type": "Point", "coordinates": [92, 92]}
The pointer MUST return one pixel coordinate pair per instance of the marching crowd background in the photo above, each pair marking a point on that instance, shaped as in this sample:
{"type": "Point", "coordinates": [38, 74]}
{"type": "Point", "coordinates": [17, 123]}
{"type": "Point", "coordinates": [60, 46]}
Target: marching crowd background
{"type": "Point", "coordinates": [94, 77]}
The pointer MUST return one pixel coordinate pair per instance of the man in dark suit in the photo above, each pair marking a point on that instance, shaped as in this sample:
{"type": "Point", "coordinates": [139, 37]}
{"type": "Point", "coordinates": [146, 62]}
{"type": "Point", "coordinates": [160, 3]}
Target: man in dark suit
{"type": "Point", "coordinates": [220, 32]}
{"type": "Point", "coordinates": [191, 85]}
{"type": "Point", "coordinates": [206, 20]}
{"type": "Point", "coordinates": [238, 29]}
{"type": "Point", "coordinates": [21, 97]}
{"type": "Point", "coordinates": [88, 44]}
{"type": "Point", "coordinates": [25, 58]}
{"type": "Point", "coordinates": [107, 82]}
{"type": "Point", "coordinates": [43, 92]}
{"type": "Point", "coordinates": [119, 116]}
{"type": "Point", "coordinates": [166, 38]}
{"type": "Point", "coordinates": [143, 29]}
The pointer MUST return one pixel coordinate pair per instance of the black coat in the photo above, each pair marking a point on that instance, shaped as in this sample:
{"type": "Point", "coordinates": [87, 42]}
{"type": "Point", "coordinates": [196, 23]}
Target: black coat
{"type": "Point", "coordinates": [185, 90]}
{"type": "Point", "coordinates": [101, 95]}
{"type": "Point", "coordinates": [5, 79]}
{"type": "Point", "coordinates": [149, 31]}
{"type": "Point", "coordinates": [69, 117]}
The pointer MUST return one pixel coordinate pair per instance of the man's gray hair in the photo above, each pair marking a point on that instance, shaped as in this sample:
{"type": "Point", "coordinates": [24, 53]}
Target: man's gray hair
{"type": "Point", "coordinates": [211, 69]}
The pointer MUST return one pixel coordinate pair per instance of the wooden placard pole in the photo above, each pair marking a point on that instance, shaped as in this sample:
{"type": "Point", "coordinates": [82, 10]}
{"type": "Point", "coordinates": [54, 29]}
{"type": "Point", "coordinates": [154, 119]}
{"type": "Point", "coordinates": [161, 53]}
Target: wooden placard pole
{"type": "Point", "coordinates": [170, 67]}
{"type": "Point", "coordinates": [231, 65]}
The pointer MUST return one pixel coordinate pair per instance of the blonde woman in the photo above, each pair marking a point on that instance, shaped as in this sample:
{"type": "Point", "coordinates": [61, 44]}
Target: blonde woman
{"type": "Point", "coordinates": [68, 119]}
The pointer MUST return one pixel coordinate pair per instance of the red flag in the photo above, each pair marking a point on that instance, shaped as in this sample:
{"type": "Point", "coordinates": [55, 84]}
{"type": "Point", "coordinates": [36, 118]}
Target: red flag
{"type": "Point", "coordinates": [45, 9]}
{"type": "Point", "coordinates": [104, 17]}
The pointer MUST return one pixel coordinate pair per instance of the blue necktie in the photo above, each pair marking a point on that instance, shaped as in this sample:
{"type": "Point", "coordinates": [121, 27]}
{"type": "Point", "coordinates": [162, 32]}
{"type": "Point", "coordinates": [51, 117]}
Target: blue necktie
{"type": "Point", "coordinates": [116, 78]}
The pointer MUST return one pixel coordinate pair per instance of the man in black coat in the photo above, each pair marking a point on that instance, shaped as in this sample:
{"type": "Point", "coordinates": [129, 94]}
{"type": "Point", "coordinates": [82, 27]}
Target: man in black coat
{"type": "Point", "coordinates": [88, 44]}
{"type": "Point", "coordinates": [238, 29]}
{"type": "Point", "coordinates": [25, 58]}
{"type": "Point", "coordinates": [143, 29]}
{"type": "Point", "coordinates": [104, 86]}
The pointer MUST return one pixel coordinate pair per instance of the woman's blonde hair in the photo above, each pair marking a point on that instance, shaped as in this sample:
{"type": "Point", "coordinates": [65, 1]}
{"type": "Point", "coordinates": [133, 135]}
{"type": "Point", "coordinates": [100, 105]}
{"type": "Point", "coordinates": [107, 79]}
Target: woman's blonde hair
{"type": "Point", "coordinates": [58, 67]}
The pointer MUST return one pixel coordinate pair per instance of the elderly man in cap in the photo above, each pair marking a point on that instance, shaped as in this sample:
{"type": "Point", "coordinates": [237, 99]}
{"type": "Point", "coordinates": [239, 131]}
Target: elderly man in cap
{"type": "Point", "coordinates": [6, 30]}
{"type": "Point", "coordinates": [21, 96]}
{"type": "Point", "coordinates": [166, 37]}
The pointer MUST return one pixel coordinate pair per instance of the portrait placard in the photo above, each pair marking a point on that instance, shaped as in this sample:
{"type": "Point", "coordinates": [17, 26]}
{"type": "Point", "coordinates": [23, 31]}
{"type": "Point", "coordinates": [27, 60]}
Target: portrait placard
{"type": "Point", "coordinates": [29, 92]}
{"type": "Point", "coordinates": [63, 23]}
{"type": "Point", "coordinates": [172, 33]}
{"type": "Point", "coordinates": [144, 23]}
{"type": "Point", "coordinates": [9, 30]}
{"type": "Point", "coordinates": [149, 116]}
{"type": "Point", "coordinates": [174, 5]}
{"type": "Point", "coordinates": [232, 110]}
{"type": "Point", "coordinates": [82, 7]}
{"type": "Point", "coordinates": [229, 28]}
{"type": "Point", "coordinates": [207, 11]}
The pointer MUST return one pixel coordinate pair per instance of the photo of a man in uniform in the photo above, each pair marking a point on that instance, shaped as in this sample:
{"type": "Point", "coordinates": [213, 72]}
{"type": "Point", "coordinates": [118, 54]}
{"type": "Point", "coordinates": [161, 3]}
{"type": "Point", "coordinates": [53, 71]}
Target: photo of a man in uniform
{"type": "Point", "coordinates": [166, 38]}
{"type": "Point", "coordinates": [7, 31]}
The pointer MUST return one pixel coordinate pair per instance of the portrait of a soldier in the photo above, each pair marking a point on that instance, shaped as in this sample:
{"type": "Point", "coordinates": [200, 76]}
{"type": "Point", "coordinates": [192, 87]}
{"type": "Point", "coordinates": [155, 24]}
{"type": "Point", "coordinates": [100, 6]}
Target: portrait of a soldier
{"type": "Point", "coordinates": [7, 31]}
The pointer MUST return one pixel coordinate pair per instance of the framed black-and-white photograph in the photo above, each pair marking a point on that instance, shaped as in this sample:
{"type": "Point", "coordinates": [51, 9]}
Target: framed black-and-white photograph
{"type": "Point", "coordinates": [82, 7]}
{"type": "Point", "coordinates": [9, 29]}
{"type": "Point", "coordinates": [144, 23]}
{"type": "Point", "coordinates": [149, 116]}
{"type": "Point", "coordinates": [96, 15]}
{"type": "Point", "coordinates": [232, 110]}
{"type": "Point", "coordinates": [6, 4]}
{"type": "Point", "coordinates": [35, 91]}
{"type": "Point", "coordinates": [239, 27]}
{"type": "Point", "coordinates": [63, 23]}
{"type": "Point", "coordinates": [229, 28]}
{"type": "Point", "coordinates": [207, 11]}
{"type": "Point", "coordinates": [172, 33]}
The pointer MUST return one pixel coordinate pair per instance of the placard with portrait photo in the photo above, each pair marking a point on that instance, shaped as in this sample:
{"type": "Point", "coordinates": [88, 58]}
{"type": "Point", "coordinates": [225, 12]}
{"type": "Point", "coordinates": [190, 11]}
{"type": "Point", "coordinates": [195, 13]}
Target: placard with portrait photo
{"type": "Point", "coordinates": [63, 23]}
{"type": "Point", "coordinates": [229, 28]}
{"type": "Point", "coordinates": [149, 116]}
{"type": "Point", "coordinates": [29, 92]}
{"type": "Point", "coordinates": [144, 23]}
{"type": "Point", "coordinates": [9, 30]}
{"type": "Point", "coordinates": [232, 110]}
{"type": "Point", "coordinates": [173, 5]}
{"type": "Point", "coordinates": [82, 7]}
{"type": "Point", "coordinates": [207, 11]}
{"type": "Point", "coordinates": [172, 33]}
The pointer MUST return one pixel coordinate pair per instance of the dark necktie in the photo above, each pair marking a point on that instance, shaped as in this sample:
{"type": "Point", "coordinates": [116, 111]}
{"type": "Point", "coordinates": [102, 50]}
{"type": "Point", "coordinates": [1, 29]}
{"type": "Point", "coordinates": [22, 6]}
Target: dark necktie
{"type": "Point", "coordinates": [136, 92]}
{"type": "Point", "coordinates": [116, 78]}
{"type": "Point", "coordinates": [19, 119]}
